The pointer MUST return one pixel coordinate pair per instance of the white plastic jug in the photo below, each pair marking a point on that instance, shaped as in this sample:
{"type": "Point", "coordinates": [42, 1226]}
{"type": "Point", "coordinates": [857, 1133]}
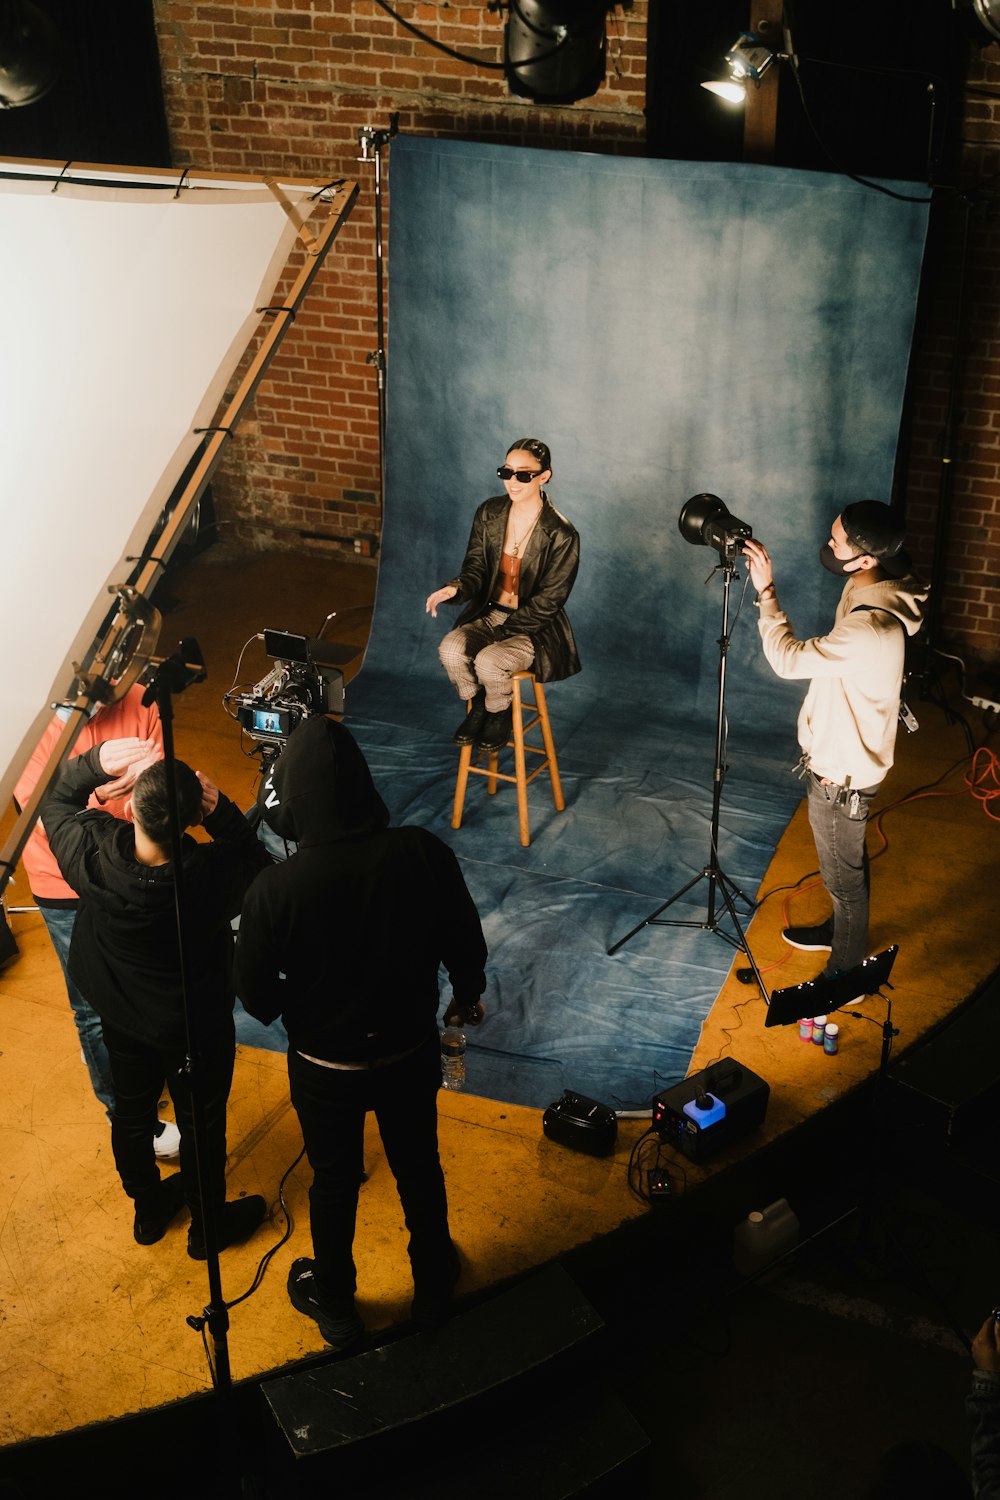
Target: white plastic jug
{"type": "Point", "coordinates": [763, 1236]}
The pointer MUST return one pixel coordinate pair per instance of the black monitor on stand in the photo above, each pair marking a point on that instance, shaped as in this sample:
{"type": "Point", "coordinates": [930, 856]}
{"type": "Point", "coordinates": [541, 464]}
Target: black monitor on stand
{"type": "Point", "coordinates": [818, 997]}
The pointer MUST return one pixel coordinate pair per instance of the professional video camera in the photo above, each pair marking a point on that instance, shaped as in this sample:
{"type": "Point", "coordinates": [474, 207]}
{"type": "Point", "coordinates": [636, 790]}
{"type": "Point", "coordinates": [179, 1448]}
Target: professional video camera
{"type": "Point", "coordinates": [705, 521]}
{"type": "Point", "coordinates": [303, 681]}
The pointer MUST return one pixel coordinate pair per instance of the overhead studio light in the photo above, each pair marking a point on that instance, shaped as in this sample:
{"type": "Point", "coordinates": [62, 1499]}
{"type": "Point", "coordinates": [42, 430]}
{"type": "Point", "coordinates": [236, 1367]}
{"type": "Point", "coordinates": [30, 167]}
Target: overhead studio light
{"type": "Point", "coordinates": [554, 50]}
{"type": "Point", "coordinates": [988, 14]}
{"type": "Point", "coordinates": [748, 59]}
{"type": "Point", "coordinates": [29, 47]}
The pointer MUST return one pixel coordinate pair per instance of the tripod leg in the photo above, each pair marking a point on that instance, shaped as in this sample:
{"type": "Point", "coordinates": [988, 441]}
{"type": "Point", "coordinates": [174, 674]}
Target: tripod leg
{"type": "Point", "coordinates": [654, 914]}
{"type": "Point", "coordinates": [724, 884]}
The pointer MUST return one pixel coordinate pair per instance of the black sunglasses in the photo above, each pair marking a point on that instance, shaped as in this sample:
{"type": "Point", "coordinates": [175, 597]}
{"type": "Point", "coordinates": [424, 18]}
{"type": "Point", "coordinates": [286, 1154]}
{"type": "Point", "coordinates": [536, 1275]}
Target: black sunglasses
{"type": "Point", "coordinates": [523, 476]}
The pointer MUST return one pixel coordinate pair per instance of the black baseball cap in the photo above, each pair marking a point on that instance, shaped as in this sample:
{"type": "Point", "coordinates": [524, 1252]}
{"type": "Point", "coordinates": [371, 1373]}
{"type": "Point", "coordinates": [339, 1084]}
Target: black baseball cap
{"type": "Point", "coordinates": [873, 527]}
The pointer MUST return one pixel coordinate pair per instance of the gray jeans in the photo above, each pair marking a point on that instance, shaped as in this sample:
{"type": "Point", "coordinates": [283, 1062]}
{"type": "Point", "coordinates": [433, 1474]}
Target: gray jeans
{"type": "Point", "coordinates": [473, 657]}
{"type": "Point", "coordinates": [839, 820]}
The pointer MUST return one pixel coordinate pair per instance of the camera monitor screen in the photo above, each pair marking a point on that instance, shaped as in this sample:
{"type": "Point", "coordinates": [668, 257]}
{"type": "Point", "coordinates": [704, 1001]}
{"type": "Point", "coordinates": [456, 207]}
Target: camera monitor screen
{"type": "Point", "coordinates": [284, 644]}
{"type": "Point", "coordinates": [276, 721]}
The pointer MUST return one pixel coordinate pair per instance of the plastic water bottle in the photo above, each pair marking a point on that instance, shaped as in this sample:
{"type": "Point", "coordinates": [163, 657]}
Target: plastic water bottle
{"type": "Point", "coordinates": [453, 1057]}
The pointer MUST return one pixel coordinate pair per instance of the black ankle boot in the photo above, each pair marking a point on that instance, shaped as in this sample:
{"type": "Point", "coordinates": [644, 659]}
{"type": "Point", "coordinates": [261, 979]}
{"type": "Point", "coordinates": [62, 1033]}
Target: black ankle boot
{"type": "Point", "coordinates": [156, 1208]}
{"type": "Point", "coordinates": [496, 730]}
{"type": "Point", "coordinates": [468, 731]}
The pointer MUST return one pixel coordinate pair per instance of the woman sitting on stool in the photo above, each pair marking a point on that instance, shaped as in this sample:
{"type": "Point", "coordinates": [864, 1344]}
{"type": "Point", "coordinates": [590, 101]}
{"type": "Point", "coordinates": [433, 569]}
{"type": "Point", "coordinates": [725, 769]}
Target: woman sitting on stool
{"type": "Point", "coordinates": [519, 568]}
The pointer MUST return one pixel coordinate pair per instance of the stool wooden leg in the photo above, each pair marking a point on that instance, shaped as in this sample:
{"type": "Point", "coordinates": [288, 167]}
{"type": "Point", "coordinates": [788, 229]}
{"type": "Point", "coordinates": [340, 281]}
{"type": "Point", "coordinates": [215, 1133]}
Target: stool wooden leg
{"type": "Point", "coordinates": [550, 748]}
{"type": "Point", "coordinates": [491, 780]}
{"type": "Point", "coordinates": [460, 785]}
{"type": "Point", "coordinates": [519, 768]}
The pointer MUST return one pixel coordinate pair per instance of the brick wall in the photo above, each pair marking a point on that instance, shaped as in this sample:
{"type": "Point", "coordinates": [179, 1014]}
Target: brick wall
{"type": "Point", "coordinates": [285, 87]}
{"type": "Point", "coordinates": [954, 430]}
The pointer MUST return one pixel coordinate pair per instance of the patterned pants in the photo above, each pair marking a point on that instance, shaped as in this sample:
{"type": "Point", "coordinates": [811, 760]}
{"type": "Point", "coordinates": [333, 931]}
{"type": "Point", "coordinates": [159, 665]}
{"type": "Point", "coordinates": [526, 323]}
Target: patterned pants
{"type": "Point", "coordinates": [473, 657]}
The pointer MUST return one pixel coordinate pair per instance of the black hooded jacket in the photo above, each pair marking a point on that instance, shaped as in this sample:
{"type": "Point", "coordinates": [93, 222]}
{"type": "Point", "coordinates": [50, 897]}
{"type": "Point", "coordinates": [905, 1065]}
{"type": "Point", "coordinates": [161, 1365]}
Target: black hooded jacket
{"type": "Point", "coordinates": [344, 939]}
{"type": "Point", "coordinates": [124, 953]}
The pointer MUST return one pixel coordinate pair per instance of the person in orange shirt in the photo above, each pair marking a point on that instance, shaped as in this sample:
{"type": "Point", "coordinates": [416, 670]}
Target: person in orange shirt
{"type": "Point", "coordinates": [58, 903]}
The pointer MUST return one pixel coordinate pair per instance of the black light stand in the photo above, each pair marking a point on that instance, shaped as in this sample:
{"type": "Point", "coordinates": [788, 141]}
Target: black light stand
{"type": "Point", "coordinates": [169, 676]}
{"type": "Point", "coordinates": [719, 883]}
{"type": "Point", "coordinates": [372, 142]}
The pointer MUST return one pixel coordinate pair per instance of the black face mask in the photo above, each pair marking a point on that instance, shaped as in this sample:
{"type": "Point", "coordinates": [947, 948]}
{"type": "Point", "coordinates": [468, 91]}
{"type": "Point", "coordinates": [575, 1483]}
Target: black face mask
{"type": "Point", "coordinates": [838, 565]}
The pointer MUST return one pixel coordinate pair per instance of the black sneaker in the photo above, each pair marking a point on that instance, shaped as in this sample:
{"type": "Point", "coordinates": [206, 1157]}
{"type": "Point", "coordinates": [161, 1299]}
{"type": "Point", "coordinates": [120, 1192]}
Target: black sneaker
{"type": "Point", "coordinates": [152, 1218]}
{"type": "Point", "coordinates": [468, 731]}
{"type": "Point", "coordinates": [237, 1221]}
{"type": "Point", "coordinates": [810, 939]}
{"type": "Point", "coordinates": [339, 1323]}
{"type": "Point", "coordinates": [496, 730]}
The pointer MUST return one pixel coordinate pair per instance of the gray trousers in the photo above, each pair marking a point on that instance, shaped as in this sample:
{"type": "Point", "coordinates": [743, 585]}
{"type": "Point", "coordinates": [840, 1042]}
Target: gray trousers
{"type": "Point", "coordinates": [839, 827]}
{"type": "Point", "coordinates": [474, 658]}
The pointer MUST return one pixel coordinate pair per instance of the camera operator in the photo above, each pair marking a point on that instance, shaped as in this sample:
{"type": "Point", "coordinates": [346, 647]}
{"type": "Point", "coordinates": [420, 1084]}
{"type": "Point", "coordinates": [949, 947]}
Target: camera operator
{"type": "Point", "coordinates": [847, 723]}
{"type": "Point", "coordinates": [344, 942]}
{"type": "Point", "coordinates": [124, 956]}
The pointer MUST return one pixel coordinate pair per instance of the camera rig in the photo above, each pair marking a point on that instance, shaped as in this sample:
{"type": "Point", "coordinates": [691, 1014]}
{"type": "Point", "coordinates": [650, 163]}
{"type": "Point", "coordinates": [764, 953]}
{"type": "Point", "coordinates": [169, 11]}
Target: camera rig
{"type": "Point", "coordinates": [304, 680]}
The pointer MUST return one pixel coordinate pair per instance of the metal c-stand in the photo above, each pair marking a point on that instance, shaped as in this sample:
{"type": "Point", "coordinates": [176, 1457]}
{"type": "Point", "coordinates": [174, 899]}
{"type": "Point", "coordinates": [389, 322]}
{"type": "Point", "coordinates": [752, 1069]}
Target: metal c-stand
{"type": "Point", "coordinates": [170, 676]}
{"type": "Point", "coordinates": [719, 883]}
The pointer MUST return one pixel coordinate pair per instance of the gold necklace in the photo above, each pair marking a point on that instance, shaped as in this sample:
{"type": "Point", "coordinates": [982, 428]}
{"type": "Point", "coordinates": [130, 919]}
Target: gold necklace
{"type": "Point", "coordinates": [518, 541]}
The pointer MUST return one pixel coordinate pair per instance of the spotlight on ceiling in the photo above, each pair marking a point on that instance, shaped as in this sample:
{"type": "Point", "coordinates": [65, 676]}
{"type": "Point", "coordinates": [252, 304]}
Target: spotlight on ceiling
{"type": "Point", "coordinates": [748, 59]}
{"type": "Point", "coordinates": [554, 51]}
{"type": "Point", "coordinates": [29, 47]}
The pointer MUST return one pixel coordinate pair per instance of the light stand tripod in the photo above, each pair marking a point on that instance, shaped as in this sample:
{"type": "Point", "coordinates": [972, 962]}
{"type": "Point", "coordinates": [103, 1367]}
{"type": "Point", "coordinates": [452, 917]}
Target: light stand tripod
{"type": "Point", "coordinates": [372, 143]}
{"type": "Point", "coordinates": [719, 883]}
{"type": "Point", "coordinates": [168, 677]}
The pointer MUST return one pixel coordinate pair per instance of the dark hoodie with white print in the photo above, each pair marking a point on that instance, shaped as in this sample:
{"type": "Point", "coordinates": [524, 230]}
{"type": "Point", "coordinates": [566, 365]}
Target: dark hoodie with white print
{"type": "Point", "coordinates": [344, 940]}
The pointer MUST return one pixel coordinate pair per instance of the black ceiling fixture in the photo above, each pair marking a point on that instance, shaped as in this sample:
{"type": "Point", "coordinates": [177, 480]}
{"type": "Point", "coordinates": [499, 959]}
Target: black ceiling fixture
{"type": "Point", "coordinates": [555, 51]}
{"type": "Point", "coordinates": [105, 102]}
{"type": "Point", "coordinates": [29, 54]}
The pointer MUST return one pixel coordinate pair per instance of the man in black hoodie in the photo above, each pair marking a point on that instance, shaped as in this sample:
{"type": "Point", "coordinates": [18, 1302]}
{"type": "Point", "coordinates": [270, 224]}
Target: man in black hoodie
{"type": "Point", "coordinates": [344, 941]}
{"type": "Point", "coordinates": [124, 957]}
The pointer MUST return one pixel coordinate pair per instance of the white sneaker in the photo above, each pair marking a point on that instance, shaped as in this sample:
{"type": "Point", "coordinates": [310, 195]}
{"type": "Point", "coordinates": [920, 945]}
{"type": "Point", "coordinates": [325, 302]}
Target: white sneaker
{"type": "Point", "coordinates": [166, 1139]}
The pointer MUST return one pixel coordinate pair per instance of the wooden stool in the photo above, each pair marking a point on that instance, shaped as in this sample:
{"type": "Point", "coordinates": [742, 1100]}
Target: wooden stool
{"type": "Point", "coordinates": [547, 751]}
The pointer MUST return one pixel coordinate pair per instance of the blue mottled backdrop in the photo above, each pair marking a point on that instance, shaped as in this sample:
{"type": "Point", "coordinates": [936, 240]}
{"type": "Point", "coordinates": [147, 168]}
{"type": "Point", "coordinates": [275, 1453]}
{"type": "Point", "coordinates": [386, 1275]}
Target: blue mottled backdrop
{"type": "Point", "coordinates": [667, 328]}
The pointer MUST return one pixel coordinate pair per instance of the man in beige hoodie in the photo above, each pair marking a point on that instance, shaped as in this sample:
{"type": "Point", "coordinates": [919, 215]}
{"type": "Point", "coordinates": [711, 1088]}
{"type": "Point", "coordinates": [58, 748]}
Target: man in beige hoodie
{"type": "Point", "coordinates": [847, 723]}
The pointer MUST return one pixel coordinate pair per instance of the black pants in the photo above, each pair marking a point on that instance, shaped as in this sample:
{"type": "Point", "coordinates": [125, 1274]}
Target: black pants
{"type": "Point", "coordinates": [138, 1071]}
{"type": "Point", "coordinates": [331, 1105]}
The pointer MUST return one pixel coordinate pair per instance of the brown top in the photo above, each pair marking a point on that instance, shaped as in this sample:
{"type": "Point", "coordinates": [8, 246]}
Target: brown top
{"type": "Point", "coordinates": [510, 571]}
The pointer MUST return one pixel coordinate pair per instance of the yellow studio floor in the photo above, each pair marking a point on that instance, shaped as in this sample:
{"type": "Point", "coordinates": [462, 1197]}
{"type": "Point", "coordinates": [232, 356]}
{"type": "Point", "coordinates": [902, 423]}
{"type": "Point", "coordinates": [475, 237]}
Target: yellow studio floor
{"type": "Point", "coordinates": [94, 1325]}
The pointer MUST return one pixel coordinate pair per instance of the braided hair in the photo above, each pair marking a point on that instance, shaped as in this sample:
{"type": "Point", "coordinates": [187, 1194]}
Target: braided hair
{"type": "Point", "coordinates": [536, 448]}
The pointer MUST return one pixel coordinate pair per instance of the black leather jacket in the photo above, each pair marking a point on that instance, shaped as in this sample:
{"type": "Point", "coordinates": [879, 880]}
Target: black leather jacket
{"type": "Point", "coordinates": [548, 571]}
